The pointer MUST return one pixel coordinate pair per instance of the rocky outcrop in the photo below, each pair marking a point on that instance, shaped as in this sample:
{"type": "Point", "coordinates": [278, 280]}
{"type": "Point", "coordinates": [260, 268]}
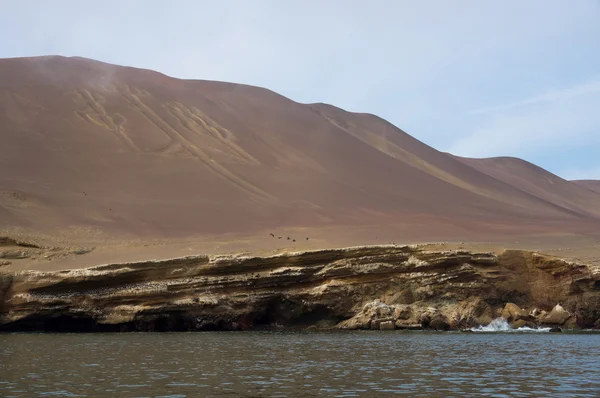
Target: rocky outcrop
{"type": "Point", "coordinates": [376, 287]}
{"type": "Point", "coordinates": [512, 312]}
{"type": "Point", "coordinates": [558, 316]}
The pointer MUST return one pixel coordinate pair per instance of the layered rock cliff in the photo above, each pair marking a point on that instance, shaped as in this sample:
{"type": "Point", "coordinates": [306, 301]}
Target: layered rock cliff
{"type": "Point", "coordinates": [376, 287]}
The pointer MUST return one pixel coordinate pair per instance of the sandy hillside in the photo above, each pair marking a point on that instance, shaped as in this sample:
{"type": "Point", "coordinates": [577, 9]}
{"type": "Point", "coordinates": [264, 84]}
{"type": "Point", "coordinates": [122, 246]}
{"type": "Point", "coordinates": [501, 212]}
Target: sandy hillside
{"type": "Point", "coordinates": [540, 183]}
{"type": "Point", "coordinates": [94, 153]}
{"type": "Point", "coordinates": [593, 185]}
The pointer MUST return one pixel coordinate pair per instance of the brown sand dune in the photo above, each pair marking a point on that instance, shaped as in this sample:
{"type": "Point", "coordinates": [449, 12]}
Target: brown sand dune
{"type": "Point", "coordinates": [130, 153]}
{"type": "Point", "coordinates": [540, 183]}
{"type": "Point", "coordinates": [593, 185]}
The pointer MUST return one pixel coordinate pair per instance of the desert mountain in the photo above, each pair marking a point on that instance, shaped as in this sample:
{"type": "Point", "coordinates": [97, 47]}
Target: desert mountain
{"type": "Point", "coordinates": [540, 183]}
{"type": "Point", "coordinates": [129, 152]}
{"type": "Point", "coordinates": [593, 185]}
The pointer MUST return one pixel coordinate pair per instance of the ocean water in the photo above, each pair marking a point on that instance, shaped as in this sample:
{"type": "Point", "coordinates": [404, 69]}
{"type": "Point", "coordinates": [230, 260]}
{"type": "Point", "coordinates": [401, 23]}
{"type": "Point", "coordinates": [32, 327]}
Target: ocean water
{"type": "Point", "coordinates": [286, 364]}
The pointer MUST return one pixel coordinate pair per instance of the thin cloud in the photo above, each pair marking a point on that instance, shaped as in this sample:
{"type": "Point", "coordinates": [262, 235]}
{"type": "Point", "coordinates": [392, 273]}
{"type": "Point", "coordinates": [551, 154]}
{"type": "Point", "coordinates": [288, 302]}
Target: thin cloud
{"type": "Point", "coordinates": [590, 87]}
{"type": "Point", "coordinates": [527, 131]}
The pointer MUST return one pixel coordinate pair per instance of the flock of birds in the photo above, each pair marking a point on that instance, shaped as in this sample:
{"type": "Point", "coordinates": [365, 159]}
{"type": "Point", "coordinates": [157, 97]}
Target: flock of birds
{"type": "Point", "coordinates": [293, 240]}
{"type": "Point", "coordinates": [281, 237]}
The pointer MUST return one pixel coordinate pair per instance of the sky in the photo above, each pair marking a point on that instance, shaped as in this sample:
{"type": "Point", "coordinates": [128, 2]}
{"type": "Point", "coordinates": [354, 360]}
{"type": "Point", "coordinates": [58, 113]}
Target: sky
{"type": "Point", "coordinates": [474, 78]}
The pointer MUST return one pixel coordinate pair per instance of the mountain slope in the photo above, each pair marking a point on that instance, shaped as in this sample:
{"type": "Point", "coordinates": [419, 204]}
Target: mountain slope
{"type": "Point", "coordinates": [125, 151]}
{"type": "Point", "coordinates": [593, 185]}
{"type": "Point", "coordinates": [540, 183]}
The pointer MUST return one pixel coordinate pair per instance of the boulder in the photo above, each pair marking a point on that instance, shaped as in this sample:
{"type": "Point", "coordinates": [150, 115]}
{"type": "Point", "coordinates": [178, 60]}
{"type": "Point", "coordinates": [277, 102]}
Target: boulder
{"type": "Point", "coordinates": [408, 326]}
{"type": "Point", "coordinates": [467, 313]}
{"type": "Point", "coordinates": [512, 312]}
{"type": "Point", "coordinates": [556, 330]}
{"type": "Point", "coordinates": [404, 312]}
{"type": "Point", "coordinates": [425, 320]}
{"type": "Point", "coordinates": [519, 324]}
{"type": "Point", "coordinates": [571, 323]}
{"type": "Point", "coordinates": [370, 316]}
{"type": "Point", "coordinates": [376, 323]}
{"type": "Point", "coordinates": [439, 322]}
{"type": "Point", "coordinates": [355, 323]}
{"type": "Point", "coordinates": [387, 325]}
{"type": "Point", "coordinates": [558, 316]}
{"type": "Point", "coordinates": [382, 310]}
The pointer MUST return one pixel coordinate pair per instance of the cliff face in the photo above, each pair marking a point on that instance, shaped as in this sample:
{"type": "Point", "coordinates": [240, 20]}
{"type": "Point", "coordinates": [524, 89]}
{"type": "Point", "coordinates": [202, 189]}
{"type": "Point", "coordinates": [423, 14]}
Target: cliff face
{"type": "Point", "coordinates": [380, 287]}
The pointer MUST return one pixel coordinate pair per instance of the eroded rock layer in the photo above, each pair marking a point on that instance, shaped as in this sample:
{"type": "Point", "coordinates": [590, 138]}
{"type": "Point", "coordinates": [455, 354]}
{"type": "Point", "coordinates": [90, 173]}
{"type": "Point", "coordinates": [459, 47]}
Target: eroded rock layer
{"type": "Point", "coordinates": [376, 287]}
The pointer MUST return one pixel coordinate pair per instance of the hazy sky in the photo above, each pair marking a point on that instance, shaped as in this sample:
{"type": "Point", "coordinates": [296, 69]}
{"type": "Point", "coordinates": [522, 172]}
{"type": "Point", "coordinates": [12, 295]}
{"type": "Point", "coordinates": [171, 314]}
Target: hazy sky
{"type": "Point", "coordinates": [476, 78]}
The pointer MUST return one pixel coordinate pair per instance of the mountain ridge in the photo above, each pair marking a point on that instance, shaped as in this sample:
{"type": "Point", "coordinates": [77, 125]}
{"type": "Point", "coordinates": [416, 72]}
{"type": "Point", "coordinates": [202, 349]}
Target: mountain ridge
{"type": "Point", "coordinates": [136, 152]}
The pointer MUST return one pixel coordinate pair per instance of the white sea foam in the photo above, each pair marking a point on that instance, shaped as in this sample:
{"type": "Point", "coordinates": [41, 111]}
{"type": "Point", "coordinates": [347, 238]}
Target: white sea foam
{"type": "Point", "coordinates": [500, 325]}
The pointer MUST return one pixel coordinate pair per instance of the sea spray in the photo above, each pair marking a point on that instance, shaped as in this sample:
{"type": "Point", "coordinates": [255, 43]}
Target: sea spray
{"type": "Point", "coordinates": [500, 325]}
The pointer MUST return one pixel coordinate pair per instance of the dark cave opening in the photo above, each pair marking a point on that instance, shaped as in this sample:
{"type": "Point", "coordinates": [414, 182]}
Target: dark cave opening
{"type": "Point", "coordinates": [285, 313]}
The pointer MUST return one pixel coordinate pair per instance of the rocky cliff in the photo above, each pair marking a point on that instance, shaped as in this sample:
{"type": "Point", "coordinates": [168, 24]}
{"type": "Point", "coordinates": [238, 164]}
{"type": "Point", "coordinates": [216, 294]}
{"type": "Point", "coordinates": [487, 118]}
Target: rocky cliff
{"type": "Point", "coordinates": [375, 287]}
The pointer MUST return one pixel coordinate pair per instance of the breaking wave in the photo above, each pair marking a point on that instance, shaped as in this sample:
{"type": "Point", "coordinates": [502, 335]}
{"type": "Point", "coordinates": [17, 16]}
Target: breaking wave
{"type": "Point", "coordinates": [500, 325]}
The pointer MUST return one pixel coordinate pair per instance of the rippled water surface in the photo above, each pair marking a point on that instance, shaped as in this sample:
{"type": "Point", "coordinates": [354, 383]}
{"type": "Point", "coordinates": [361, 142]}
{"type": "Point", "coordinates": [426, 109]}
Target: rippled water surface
{"type": "Point", "coordinates": [300, 364]}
